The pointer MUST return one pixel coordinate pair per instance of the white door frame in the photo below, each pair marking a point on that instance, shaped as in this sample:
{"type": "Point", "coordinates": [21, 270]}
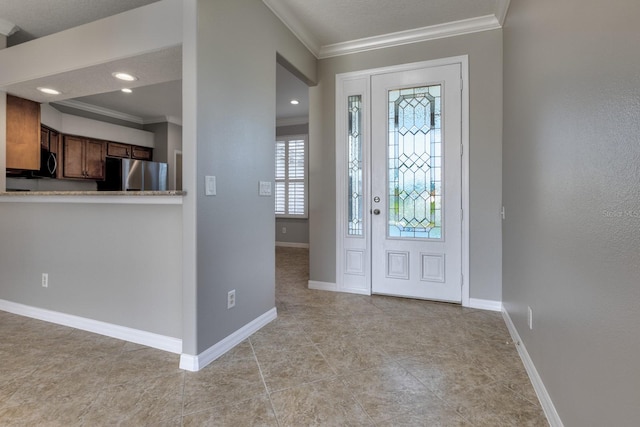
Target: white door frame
{"type": "Point", "coordinates": [353, 253]}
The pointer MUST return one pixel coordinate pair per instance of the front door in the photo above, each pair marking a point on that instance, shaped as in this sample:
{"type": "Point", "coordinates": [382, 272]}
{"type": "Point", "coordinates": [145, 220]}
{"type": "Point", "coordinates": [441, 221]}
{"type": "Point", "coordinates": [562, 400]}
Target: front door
{"type": "Point", "coordinates": [416, 183]}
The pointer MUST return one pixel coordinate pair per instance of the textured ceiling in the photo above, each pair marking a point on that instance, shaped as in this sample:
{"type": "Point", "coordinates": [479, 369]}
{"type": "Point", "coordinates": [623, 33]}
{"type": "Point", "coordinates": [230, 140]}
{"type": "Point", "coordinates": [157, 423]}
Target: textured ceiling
{"type": "Point", "coordinates": [149, 103]}
{"type": "Point", "coordinates": [39, 18]}
{"type": "Point", "coordinates": [325, 22]}
{"type": "Point", "coordinates": [150, 68]}
{"type": "Point", "coordinates": [336, 21]}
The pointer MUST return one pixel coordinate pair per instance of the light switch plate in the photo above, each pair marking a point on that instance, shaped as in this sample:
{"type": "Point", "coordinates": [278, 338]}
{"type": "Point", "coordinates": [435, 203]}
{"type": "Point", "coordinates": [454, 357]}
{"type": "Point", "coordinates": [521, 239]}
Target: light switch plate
{"type": "Point", "coordinates": [210, 185]}
{"type": "Point", "coordinates": [265, 188]}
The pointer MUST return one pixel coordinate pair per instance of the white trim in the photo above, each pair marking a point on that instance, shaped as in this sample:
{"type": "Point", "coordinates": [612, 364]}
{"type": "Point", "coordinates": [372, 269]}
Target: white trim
{"type": "Point", "coordinates": [161, 342]}
{"type": "Point", "coordinates": [536, 381]}
{"type": "Point", "coordinates": [466, 187]}
{"type": "Point", "coordinates": [502, 9]}
{"type": "Point", "coordinates": [485, 304]}
{"type": "Point", "coordinates": [463, 60]}
{"type": "Point", "coordinates": [322, 286]}
{"type": "Point", "coordinates": [162, 119]}
{"type": "Point", "coordinates": [293, 24]}
{"type": "Point", "coordinates": [195, 363]}
{"type": "Point", "coordinates": [105, 198]}
{"type": "Point", "coordinates": [95, 109]}
{"type": "Point", "coordinates": [433, 32]}
{"type": "Point", "coordinates": [292, 245]}
{"type": "Point", "coordinates": [292, 121]}
{"type": "Point", "coordinates": [83, 106]}
{"type": "Point", "coordinates": [7, 28]}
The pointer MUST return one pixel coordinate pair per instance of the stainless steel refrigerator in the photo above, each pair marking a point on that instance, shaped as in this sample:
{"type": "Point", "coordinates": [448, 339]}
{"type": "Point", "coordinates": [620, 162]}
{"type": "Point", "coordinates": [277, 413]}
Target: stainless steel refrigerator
{"type": "Point", "coordinates": [134, 175]}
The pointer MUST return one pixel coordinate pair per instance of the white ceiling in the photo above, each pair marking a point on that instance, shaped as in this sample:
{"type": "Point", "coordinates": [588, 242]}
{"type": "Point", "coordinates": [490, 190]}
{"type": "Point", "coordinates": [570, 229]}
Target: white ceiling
{"type": "Point", "coordinates": [326, 27]}
{"type": "Point", "coordinates": [337, 21]}
{"type": "Point", "coordinates": [39, 18]}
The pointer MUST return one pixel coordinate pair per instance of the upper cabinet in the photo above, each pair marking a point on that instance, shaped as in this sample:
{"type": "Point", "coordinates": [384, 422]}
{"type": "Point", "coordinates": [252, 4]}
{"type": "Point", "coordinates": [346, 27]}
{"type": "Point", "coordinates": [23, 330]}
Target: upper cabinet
{"type": "Point", "coordinates": [115, 149]}
{"type": "Point", "coordinates": [141, 153]}
{"type": "Point", "coordinates": [23, 134]}
{"type": "Point", "coordinates": [83, 158]}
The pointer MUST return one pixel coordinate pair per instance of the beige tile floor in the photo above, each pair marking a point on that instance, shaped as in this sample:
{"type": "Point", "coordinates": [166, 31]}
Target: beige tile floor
{"type": "Point", "coordinates": [328, 360]}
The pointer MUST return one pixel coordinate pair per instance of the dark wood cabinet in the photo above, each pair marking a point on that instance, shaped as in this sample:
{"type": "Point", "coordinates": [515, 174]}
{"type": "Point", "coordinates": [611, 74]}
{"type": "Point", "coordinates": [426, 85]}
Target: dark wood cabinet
{"type": "Point", "coordinates": [141, 153]}
{"type": "Point", "coordinates": [125, 151]}
{"type": "Point", "coordinates": [23, 134]}
{"type": "Point", "coordinates": [49, 139]}
{"type": "Point", "coordinates": [83, 158]}
{"type": "Point", "coordinates": [115, 149]}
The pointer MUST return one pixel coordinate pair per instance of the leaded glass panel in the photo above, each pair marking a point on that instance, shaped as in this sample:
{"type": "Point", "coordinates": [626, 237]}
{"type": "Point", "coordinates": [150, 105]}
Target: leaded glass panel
{"type": "Point", "coordinates": [355, 226]}
{"type": "Point", "coordinates": [415, 163]}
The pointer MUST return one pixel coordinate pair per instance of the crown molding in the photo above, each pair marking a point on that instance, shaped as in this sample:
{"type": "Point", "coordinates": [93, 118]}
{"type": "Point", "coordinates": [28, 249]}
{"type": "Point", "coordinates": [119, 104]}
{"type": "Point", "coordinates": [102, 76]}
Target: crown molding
{"type": "Point", "coordinates": [294, 24]}
{"type": "Point", "coordinates": [501, 13]}
{"type": "Point", "coordinates": [7, 28]}
{"type": "Point", "coordinates": [101, 111]}
{"type": "Point", "coordinates": [164, 119]}
{"type": "Point", "coordinates": [450, 29]}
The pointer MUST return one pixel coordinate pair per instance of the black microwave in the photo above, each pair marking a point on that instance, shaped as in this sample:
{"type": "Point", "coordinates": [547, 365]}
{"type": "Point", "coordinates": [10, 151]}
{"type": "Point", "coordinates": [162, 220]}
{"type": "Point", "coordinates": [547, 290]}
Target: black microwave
{"type": "Point", "coordinates": [48, 164]}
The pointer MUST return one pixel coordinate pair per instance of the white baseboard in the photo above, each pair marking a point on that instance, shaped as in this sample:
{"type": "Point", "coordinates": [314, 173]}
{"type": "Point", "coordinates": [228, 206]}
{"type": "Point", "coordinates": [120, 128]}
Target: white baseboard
{"type": "Point", "coordinates": [193, 363]}
{"type": "Point", "coordinates": [485, 304]}
{"type": "Point", "coordinates": [545, 400]}
{"type": "Point", "coordinates": [322, 286]}
{"type": "Point", "coordinates": [292, 245]}
{"type": "Point", "coordinates": [161, 342]}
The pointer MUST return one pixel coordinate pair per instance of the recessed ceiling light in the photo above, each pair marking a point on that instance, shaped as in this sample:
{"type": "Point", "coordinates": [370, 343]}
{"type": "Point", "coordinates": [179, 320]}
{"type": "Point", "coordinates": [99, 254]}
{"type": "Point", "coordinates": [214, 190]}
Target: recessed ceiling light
{"type": "Point", "coordinates": [49, 91]}
{"type": "Point", "coordinates": [126, 90]}
{"type": "Point", "coordinates": [295, 102]}
{"type": "Point", "coordinates": [124, 76]}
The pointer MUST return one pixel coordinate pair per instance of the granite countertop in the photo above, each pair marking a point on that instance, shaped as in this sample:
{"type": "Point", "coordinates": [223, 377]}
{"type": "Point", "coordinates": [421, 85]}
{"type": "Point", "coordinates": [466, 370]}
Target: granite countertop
{"type": "Point", "coordinates": [93, 193]}
{"type": "Point", "coordinates": [95, 197]}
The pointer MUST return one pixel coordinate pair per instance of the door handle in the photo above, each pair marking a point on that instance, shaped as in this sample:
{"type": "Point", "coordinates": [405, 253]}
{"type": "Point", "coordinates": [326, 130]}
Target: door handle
{"type": "Point", "coordinates": [376, 211]}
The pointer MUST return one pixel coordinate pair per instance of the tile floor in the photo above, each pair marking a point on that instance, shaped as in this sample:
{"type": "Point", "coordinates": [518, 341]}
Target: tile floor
{"type": "Point", "coordinates": [328, 360]}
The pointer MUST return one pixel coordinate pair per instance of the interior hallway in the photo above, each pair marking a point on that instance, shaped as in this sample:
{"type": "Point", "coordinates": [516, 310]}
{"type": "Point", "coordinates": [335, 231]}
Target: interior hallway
{"type": "Point", "coordinates": [329, 359]}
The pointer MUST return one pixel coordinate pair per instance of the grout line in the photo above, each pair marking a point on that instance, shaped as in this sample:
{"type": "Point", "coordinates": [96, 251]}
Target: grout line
{"type": "Point", "coordinates": [255, 357]}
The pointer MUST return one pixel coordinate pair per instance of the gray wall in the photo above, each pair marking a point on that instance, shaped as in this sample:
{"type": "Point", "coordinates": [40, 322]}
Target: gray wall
{"type": "Point", "coordinates": [160, 140]}
{"type": "Point", "coordinates": [235, 100]}
{"type": "Point", "coordinates": [167, 139]}
{"type": "Point", "coordinates": [572, 230]}
{"type": "Point", "coordinates": [119, 264]}
{"type": "Point", "coordinates": [485, 69]}
{"type": "Point", "coordinates": [297, 229]}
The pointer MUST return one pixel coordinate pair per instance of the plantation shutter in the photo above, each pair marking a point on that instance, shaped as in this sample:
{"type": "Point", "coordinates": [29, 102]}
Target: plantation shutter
{"type": "Point", "coordinates": [291, 171]}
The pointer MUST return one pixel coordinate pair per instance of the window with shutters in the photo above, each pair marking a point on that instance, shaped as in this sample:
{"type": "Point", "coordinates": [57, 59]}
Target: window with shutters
{"type": "Point", "coordinates": [291, 176]}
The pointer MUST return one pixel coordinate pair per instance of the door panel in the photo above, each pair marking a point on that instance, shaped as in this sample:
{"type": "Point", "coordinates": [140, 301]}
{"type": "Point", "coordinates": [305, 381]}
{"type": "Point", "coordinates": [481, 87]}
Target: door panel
{"type": "Point", "coordinates": [417, 184]}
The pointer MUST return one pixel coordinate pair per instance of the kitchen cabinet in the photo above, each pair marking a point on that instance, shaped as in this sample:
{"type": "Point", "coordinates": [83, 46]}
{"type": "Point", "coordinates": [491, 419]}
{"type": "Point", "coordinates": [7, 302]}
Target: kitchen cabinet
{"type": "Point", "coordinates": [125, 151]}
{"type": "Point", "coordinates": [115, 149]}
{"type": "Point", "coordinates": [50, 146]}
{"type": "Point", "coordinates": [141, 153]}
{"type": "Point", "coordinates": [83, 158]}
{"type": "Point", "coordinates": [23, 134]}
{"type": "Point", "coordinates": [49, 139]}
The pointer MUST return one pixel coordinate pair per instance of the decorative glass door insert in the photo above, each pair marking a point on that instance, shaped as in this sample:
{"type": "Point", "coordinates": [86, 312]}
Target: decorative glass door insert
{"type": "Point", "coordinates": [355, 192]}
{"type": "Point", "coordinates": [415, 163]}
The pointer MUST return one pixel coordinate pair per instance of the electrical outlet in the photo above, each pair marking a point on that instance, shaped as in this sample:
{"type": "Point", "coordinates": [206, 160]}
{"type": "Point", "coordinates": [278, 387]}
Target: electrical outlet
{"type": "Point", "coordinates": [45, 280]}
{"type": "Point", "coordinates": [284, 230]}
{"type": "Point", "coordinates": [231, 299]}
{"type": "Point", "coordinates": [530, 318]}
